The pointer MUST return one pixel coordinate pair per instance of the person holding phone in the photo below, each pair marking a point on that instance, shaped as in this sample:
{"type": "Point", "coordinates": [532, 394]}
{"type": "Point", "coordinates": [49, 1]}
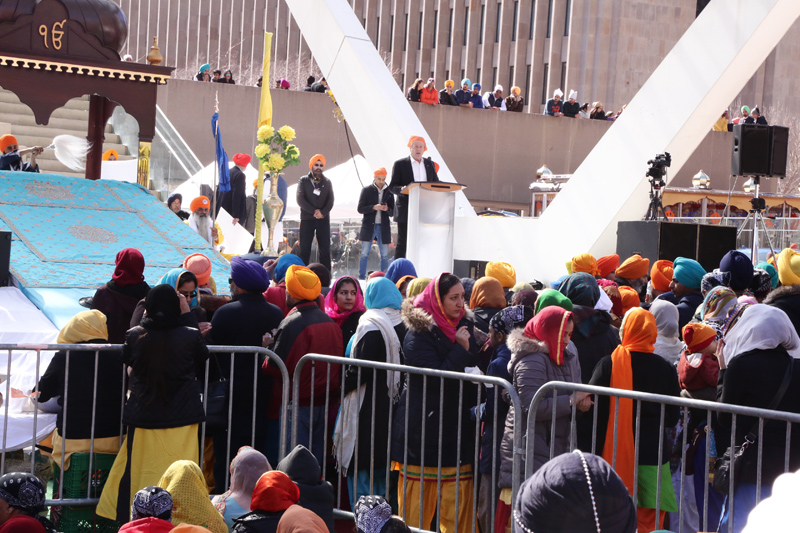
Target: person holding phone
{"type": "Point", "coordinates": [376, 204]}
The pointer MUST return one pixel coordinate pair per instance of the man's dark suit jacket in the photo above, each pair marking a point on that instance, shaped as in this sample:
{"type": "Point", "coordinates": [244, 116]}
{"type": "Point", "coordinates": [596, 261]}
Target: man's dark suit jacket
{"type": "Point", "coordinates": [402, 175]}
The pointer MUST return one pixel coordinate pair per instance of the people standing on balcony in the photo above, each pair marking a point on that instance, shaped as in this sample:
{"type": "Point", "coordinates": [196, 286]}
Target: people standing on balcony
{"type": "Point", "coordinates": [406, 171]}
{"type": "Point", "coordinates": [446, 96]}
{"type": "Point", "coordinates": [315, 198]}
{"type": "Point", "coordinates": [475, 97]}
{"type": "Point", "coordinates": [597, 111]}
{"type": "Point", "coordinates": [376, 204]}
{"type": "Point", "coordinates": [285, 85]}
{"type": "Point", "coordinates": [571, 106]}
{"type": "Point", "coordinates": [584, 112]}
{"type": "Point", "coordinates": [746, 118]}
{"type": "Point", "coordinates": [494, 100]}
{"type": "Point", "coordinates": [464, 94]}
{"type": "Point", "coordinates": [554, 106]}
{"type": "Point", "coordinates": [722, 122]}
{"type": "Point", "coordinates": [756, 114]}
{"type": "Point", "coordinates": [217, 78]}
{"type": "Point", "coordinates": [309, 84]}
{"type": "Point", "coordinates": [515, 102]}
{"type": "Point", "coordinates": [202, 74]}
{"type": "Point", "coordinates": [428, 94]}
{"type": "Point", "coordinates": [320, 86]}
{"type": "Point", "coordinates": [413, 93]}
{"type": "Point", "coordinates": [227, 78]}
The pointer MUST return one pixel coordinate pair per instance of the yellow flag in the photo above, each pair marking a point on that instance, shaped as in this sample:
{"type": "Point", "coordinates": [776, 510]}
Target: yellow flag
{"type": "Point", "coordinates": [264, 117]}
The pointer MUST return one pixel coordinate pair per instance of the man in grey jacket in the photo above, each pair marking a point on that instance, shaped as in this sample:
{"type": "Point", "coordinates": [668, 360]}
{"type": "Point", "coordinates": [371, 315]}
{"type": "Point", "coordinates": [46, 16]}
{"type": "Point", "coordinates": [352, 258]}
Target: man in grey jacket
{"type": "Point", "coordinates": [315, 198]}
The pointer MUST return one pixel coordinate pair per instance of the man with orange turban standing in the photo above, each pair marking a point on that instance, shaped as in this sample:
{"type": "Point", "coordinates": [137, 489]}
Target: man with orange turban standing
{"type": "Point", "coordinates": [375, 203]}
{"type": "Point", "coordinates": [315, 198]}
{"type": "Point", "coordinates": [11, 155]}
{"type": "Point", "coordinates": [406, 171]}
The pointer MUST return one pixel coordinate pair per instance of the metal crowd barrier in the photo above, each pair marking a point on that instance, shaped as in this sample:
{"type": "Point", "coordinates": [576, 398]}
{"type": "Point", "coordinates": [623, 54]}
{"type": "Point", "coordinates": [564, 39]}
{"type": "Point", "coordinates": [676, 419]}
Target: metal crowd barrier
{"type": "Point", "coordinates": [259, 354]}
{"type": "Point", "coordinates": [552, 388]}
{"type": "Point", "coordinates": [497, 385]}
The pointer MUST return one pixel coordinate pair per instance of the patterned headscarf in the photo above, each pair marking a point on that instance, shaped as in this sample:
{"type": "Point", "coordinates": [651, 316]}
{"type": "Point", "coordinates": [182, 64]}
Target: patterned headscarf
{"type": "Point", "coordinates": [762, 282]}
{"type": "Point", "coordinates": [372, 513]}
{"type": "Point", "coordinates": [715, 278]}
{"type": "Point", "coordinates": [507, 319]}
{"type": "Point", "coordinates": [716, 305]}
{"type": "Point", "coordinates": [581, 288]}
{"type": "Point", "coordinates": [23, 491]}
{"type": "Point", "coordinates": [152, 501]}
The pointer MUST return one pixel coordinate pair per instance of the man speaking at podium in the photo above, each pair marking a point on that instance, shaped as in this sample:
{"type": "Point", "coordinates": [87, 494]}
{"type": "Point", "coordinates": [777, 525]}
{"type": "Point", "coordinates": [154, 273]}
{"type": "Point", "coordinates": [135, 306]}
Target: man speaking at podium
{"type": "Point", "coordinates": [406, 171]}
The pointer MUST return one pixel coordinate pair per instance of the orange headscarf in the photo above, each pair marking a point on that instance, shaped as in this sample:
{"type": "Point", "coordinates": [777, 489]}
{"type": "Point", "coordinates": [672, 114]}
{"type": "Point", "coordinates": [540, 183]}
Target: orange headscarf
{"type": "Point", "coordinates": [630, 298]}
{"type": "Point", "coordinates": [585, 263]}
{"type": "Point", "coordinates": [634, 267]}
{"type": "Point", "coordinates": [108, 153]}
{"type": "Point", "coordinates": [487, 292]}
{"type": "Point", "coordinates": [607, 264]}
{"type": "Point", "coordinates": [661, 275]}
{"type": "Point", "coordinates": [6, 141]}
{"type": "Point", "coordinates": [317, 157]}
{"type": "Point", "coordinates": [638, 334]}
{"type": "Point", "coordinates": [415, 138]}
{"type": "Point", "coordinates": [698, 336]}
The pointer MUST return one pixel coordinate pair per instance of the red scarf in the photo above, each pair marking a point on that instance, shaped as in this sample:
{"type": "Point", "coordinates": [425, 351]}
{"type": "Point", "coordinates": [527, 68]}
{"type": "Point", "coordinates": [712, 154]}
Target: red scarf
{"type": "Point", "coordinates": [274, 492]}
{"type": "Point", "coordinates": [548, 326]}
{"type": "Point", "coordinates": [431, 301]}
{"type": "Point", "coordinates": [130, 267]}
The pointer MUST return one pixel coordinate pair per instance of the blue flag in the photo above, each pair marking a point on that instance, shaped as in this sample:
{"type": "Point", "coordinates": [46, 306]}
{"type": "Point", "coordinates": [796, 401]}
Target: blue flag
{"type": "Point", "coordinates": [222, 157]}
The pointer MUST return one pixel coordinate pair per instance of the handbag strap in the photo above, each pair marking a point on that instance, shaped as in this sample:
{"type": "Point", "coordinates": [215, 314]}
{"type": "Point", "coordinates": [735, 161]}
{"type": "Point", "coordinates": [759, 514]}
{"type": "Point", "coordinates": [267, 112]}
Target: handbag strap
{"type": "Point", "coordinates": [787, 379]}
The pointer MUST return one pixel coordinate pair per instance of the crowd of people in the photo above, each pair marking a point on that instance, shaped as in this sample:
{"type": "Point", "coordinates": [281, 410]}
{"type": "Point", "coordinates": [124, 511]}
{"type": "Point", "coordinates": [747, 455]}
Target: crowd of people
{"type": "Point", "coordinates": [670, 328]}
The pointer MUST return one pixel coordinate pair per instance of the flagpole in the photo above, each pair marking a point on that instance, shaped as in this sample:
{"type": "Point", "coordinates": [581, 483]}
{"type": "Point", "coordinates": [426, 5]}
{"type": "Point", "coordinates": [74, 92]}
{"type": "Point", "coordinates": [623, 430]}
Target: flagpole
{"type": "Point", "coordinates": [264, 117]}
{"type": "Point", "coordinates": [216, 165]}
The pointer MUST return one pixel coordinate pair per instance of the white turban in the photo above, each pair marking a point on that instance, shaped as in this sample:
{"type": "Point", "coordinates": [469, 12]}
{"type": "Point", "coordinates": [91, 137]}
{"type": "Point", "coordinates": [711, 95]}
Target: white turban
{"type": "Point", "coordinates": [573, 95]}
{"type": "Point", "coordinates": [559, 93]}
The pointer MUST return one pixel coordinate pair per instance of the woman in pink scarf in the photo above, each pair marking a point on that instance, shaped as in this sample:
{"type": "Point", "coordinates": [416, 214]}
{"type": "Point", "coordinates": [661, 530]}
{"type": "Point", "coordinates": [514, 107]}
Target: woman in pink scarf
{"type": "Point", "coordinates": [345, 305]}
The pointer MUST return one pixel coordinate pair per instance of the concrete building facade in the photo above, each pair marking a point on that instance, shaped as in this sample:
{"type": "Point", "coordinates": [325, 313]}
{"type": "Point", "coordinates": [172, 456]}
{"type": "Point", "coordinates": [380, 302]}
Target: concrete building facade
{"type": "Point", "coordinates": [603, 49]}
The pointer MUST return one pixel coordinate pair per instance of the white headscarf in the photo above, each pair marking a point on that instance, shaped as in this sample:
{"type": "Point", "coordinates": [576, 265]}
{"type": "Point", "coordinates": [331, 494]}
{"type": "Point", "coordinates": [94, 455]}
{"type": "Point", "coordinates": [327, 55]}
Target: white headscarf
{"type": "Point", "coordinates": [668, 344]}
{"type": "Point", "coordinates": [761, 327]}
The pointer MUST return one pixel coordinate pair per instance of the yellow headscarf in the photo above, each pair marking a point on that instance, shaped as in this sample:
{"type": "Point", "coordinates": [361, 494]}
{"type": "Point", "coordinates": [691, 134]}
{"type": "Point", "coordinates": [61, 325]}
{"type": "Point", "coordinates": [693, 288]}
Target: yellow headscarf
{"type": "Point", "coordinates": [85, 326]}
{"type": "Point", "coordinates": [190, 502]}
{"type": "Point", "coordinates": [789, 267]}
{"type": "Point", "coordinates": [502, 272]}
{"type": "Point", "coordinates": [416, 287]}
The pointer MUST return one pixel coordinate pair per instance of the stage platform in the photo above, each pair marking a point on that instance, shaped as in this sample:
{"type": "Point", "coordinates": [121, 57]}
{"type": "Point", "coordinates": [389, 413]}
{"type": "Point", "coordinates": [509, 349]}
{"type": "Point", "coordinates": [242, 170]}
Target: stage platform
{"type": "Point", "coordinates": [66, 233]}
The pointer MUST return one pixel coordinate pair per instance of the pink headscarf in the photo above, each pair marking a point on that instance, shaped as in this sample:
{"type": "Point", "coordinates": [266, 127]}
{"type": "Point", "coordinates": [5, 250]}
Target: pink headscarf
{"type": "Point", "coordinates": [332, 309]}
{"type": "Point", "coordinates": [431, 301]}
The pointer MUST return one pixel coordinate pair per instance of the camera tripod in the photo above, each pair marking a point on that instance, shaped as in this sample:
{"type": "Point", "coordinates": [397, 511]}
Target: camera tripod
{"type": "Point", "coordinates": [655, 211]}
{"type": "Point", "coordinates": [759, 205]}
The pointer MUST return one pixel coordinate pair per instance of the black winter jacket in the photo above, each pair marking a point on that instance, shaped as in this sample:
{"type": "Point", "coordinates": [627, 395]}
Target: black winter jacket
{"type": "Point", "coordinates": [787, 299]}
{"type": "Point", "coordinates": [257, 522]}
{"type": "Point", "coordinates": [316, 494]}
{"type": "Point", "coordinates": [446, 98]}
{"type": "Point", "coordinates": [118, 304]}
{"type": "Point", "coordinates": [108, 401]}
{"type": "Point", "coordinates": [426, 346]}
{"type": "Point", "coordinates": [366, 202]}
{"type": "Point", "coordinates": [173, 354]}
{"type": "Point", "coordinates": [371, 347]}
{"type": "Point", "coordinates": [309, 202]}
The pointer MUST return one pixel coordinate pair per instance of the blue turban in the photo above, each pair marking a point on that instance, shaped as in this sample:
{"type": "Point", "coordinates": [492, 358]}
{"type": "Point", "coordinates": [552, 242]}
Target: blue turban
{"type": "Point", "coordinates": [467, 81]}
{"type": "Point", "coordinates": [557, 283]}
{"type": "Point", "coordinates": [399, 268]}
{"type": "Point", "coordinates": [581, 288]}
{"type": "Point", "coordinates": [204, 68]}
{"type": "Point", "coordinates": [688, 272]}
{"type": "Point", "coordinates": [284, 262]}
{"type": "Point", "coordinates": [249, 275]}
{"type": "Point", "coordinates": [740, 268]}
{"type": "Point", "coordinates": [476, 86]}
{"type": "Point", "coordinates": [773, 273]}
{"type": "Point", "coordinates": [380, 293]}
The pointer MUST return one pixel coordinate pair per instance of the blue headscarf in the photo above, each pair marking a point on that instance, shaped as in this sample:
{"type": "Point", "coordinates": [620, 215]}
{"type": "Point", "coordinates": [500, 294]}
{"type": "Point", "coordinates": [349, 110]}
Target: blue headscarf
{"type": "Point", "coordinates": [773, 273]}
{"type": "Point", "coordinates": [380, 293]}
{"type": "Point", "coordinates": [688, 272]}
{"type": "Point", "coordinates": [171, 278]}
{"type": "Point", "coordinates": [740, 267]}
{"type": "Point", "coordinates": [284, 262]}
{"type": "Point", "coordinates": [399, 268]}
{"type": "Point", "coordinates": [581, 288]}
{"type": "Point", "coordinates": [557, 283]}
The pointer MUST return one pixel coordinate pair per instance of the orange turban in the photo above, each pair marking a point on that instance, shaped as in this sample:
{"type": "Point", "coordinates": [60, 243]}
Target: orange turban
{"type": "Point", "coordinates": [200, 266]}
{"type": "Point", "coordinates": [436, 166]}
{"type": "Point", "coordinates": [630, 298]}
{"type": "Point", "coordinates": [585, 263]}
{"type": "Point", "coordinates": [634, 267]}
{"type": "Point", "coordinates": [317, 157]}
{"type": "Point", "coordinates": [6, 141]}
{"type": "Point", "coordinates": [415, 138]}
{"type": "Point", "coordinates": [108, 153]}
{"type": "Point", "coordinates": [200, 201]}
{"type": "Point", "coordinates": [607, 264]}
{"type": "Point", "coordinates": [698, 336]}
{"type": "Point", "coordinates": [302, 283]}
{"type": "Point", "coordinates": [380, 172]}
{"type": "Point", "coordinates": [502, 272]}
{"type": "Point", "coordinates": [661, 275]}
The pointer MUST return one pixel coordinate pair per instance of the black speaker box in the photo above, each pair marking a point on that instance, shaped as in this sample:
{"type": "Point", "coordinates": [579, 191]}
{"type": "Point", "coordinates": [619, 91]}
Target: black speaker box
{"type": "Point", "coordinates": [655, 240]}
{"type": "Point", "coordinates": [469, 269]}
{"type": "Point", "coordinates": [751, 150]}
{"type": "Point", "coordinates": [778, 150]}
{"type": "Point", "coordinates": [5, 257]}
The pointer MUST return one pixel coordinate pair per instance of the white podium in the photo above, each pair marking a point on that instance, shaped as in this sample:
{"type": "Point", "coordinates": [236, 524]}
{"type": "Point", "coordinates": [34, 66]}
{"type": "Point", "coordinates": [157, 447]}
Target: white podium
{"type": "Point", "coordinates": [431, 216]}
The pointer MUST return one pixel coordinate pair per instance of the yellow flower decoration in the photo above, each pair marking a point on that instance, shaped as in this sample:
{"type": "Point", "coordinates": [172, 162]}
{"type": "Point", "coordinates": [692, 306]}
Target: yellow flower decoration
{"type": "Point", "coordinates": [265, 132]}
{"type": "Point", "coordinates": [262, 150]}
{"type": "Point", "coordinates": [287, 133]}
{"type": "Point", "coordinates": [275, 162]}
{"type": "Point", "coordinates": [291, 150]}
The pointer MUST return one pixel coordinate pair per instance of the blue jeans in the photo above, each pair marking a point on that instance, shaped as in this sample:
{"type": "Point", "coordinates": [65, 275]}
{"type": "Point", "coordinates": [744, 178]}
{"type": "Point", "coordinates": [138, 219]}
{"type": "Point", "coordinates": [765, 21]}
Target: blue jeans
{"type": "Point", "coordinates": [310, 429]}
{"type": "Point", "coordinates": [361, 486]}
{"type": "Point", "coordinates": [366, 247]}
{"type": "Point", "coordinates": [744, 501]}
